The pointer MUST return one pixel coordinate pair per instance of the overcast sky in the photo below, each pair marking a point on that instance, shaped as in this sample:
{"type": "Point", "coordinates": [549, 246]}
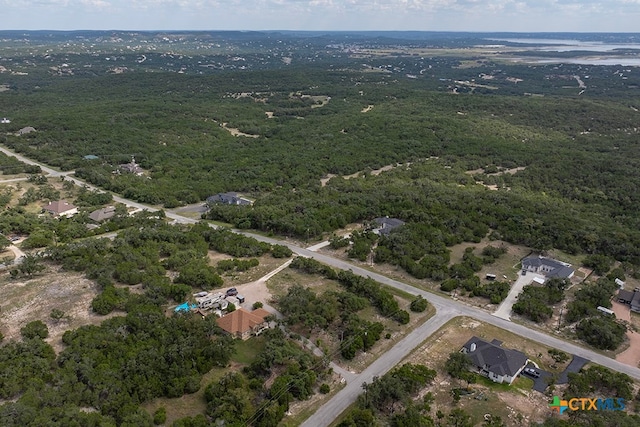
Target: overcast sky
{"type": "Point", "coordinates": [426, 15]}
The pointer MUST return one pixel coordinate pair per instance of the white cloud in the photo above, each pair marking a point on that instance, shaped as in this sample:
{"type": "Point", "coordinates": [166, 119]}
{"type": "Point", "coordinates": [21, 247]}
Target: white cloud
{"type": "Point", "coordinates": [454, 15]}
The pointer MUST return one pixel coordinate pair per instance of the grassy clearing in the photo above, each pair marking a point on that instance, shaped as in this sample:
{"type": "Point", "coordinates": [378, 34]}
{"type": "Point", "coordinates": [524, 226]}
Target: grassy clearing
{"type": "Point", "coordinates": [267, 264]}
{"type": "Point", "coordinates": [247, 351]}
{"type": "Point", "coordinates": [189, 404]}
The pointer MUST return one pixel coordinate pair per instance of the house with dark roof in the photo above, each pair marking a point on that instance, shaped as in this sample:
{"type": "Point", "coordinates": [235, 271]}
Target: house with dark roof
{"type": "Point", "coordinates": [103, 214]}
{"type": "Point", "coordinates": [244, 324]}
{"type": "Point", "coordinates": [551, 268]}
{"type": "Point", "coordinates": [60, 208]}
{"type": "Point", "coordinates": [386, 225]}
{"type": "Point", "coordinates": [230, 198]}
{"type": "Point", "coordinates": [630, 298]}
{"type": "Point", "coordinates": [490, 359]}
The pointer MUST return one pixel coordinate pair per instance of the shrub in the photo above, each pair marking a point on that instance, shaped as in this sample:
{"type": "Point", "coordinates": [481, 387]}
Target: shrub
{"type": "Point", "coordinates": [35, 329]}
{"type": "Point", "coordinates": [324, 388]}
{"type": "Point", "coordinates": [257, 305]}
{"type": "Point", "coordinates": [419, 304]}
{"type": "Point", "coordinates": [160, 416]}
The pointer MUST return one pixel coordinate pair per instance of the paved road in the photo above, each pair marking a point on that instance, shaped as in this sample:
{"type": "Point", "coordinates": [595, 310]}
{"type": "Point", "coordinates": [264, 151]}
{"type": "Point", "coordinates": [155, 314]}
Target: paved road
{"type": "Point", "coordinates": [48, 170]}
{"type": "Point", "coordinates": [345, 397]}
{"type": "Point", "coordinates": [446, 309]}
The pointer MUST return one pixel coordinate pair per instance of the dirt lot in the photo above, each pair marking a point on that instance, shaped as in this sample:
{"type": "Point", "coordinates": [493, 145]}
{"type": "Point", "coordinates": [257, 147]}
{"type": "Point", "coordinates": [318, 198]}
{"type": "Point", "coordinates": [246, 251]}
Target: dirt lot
{"type": "Point", "coordinates": [517, 404]}
{"type": "Point", "coordinates": [27, 300]}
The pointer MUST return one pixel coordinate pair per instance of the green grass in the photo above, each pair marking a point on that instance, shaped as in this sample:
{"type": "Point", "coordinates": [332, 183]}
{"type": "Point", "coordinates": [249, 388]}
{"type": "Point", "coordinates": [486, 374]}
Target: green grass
{"type": "Point", "coordinates": [247, 351]}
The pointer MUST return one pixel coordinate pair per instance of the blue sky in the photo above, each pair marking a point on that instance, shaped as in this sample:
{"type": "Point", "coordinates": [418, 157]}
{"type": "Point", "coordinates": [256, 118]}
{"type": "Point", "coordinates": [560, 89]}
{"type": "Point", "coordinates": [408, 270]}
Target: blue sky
{"type": "Point", "coordinates": [426, 15]}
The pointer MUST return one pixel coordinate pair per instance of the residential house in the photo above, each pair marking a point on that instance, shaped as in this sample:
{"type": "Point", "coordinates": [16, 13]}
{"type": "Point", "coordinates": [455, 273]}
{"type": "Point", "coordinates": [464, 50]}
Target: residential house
{"type": "Point", "coordinates": [243, 324]}
{"type": "Point", "coordinates": [630, 298]}
{"type": "Point", "coordinates": [60, 208]}
{"type": "Point", "coordinates": [103, 214]}
{"type": "Point", "coordinates": [5, 121]}
{"type": "Point", "coordinates": [501, 365]}
{"type": "Point", "coordinates": [625, 297]}
{"type": "Point", "coordinates": [25, 131]}
{"type": "Point", "coordinates": [386, 224]}
{"type": "Point", "coordinates": [230, 198]}
{"type": "Point", "coordinates": [551, 268]}
{"type": "Point", "coordinates": [131, 167]}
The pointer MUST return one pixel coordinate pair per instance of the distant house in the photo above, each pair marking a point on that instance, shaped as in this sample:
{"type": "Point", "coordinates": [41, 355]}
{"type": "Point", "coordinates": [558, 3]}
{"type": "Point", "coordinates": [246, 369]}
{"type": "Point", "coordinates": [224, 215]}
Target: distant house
{"type": "Point", "coordinates": [91, 157]}
{"type": "Point", "coordinates": [60, 208]}
{"type": "Point", "coordinates": [230, 198]}
{"type": "Point", "coordinates": [386, 224]}
{"type": "Point", "coordinates": [131, 167]}
{"type": "Point", "coordinates": [551, 268]}
{"type": "Point", "coordinates": [5, 121]}
{"type": "Point", "coordinates": [501, 365]}
{"type": "Point", "coordinates": [25, 131]}
{"type": "Point", "coordinates": [243, 324]}
{"type": "Point", "coordinates": [103, 214]}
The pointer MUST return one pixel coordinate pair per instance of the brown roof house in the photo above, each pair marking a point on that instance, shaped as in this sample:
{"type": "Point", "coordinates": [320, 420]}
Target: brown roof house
{"type": "Point", "coordinates": [60, 208]}
{"type": "Point", "coordinates": [499, 364]}
{"type": "Point", "coordinates": [243, 324]}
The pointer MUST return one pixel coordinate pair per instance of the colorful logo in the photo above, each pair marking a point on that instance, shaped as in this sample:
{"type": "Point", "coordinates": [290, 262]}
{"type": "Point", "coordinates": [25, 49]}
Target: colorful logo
{"type": "Point", "coordinates": [587, 404]}
{"type": "Point", "coordinates": [558, 405]}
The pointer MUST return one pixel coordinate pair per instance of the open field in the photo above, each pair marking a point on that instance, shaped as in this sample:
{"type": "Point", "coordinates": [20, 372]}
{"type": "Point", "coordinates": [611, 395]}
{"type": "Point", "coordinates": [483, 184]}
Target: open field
{"type": "Point", "coordinates": [24, 301]}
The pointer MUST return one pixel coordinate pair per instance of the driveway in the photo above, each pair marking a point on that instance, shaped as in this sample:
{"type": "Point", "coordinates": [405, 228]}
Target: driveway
{"type": "Point", "coordinates": [576, 364]}
{"type": "Point", "coordinates": [542, 382]}
{"type": "Point", "coordinates": [504, 311]}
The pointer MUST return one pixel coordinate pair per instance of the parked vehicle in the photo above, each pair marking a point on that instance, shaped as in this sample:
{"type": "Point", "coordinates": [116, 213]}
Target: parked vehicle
{"type": "Point", "coordinates": [532, 372]}
{"type": "Point", "coordinates": [232, 292]}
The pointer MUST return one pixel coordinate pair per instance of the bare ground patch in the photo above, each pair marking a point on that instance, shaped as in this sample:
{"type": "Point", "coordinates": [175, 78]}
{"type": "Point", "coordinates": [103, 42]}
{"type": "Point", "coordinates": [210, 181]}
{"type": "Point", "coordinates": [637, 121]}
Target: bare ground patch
{"type": "Point", "coordinates": [516, 403]}
{"type": "Point", "coordinates": [28, 300]}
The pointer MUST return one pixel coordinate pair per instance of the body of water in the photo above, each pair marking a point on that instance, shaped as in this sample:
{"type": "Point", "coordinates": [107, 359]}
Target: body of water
{"type": "Point", "coordinates": [570, 45]}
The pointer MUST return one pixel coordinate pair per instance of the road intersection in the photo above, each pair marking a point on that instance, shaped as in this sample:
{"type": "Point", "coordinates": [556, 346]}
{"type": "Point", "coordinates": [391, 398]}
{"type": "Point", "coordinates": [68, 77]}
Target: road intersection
{"type": "Point", "coordinates": [446, 309]}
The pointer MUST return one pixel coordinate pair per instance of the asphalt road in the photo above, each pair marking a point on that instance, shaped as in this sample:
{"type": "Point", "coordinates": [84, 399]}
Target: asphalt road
{"type": "Point", "coordinates": [446, 309]}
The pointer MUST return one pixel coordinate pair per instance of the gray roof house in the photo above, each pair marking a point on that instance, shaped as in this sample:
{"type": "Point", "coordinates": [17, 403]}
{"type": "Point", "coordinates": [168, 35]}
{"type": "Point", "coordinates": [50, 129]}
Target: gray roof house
{"type": "Point", "coordinates": [501, 365]}
{"type": "Point", "coordinates": [230, 198]}
{"type": "Point", "coordinates": [625, 297]}
{"type": "Point", "coordinates": [131, 167]}
{"type": "Point", "coordinates": [551, 268]}
{"type": "Point", "coordinates": [386, 224]}
{"type": "Point", "coordinates": [103, 214]}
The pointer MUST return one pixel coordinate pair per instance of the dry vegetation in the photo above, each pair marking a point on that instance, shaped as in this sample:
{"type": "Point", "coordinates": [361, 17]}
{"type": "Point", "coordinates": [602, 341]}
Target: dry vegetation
{"type": "Point", "coordinates": [502, 400]}
{"type": "Point", "coordinates": [26, 300]}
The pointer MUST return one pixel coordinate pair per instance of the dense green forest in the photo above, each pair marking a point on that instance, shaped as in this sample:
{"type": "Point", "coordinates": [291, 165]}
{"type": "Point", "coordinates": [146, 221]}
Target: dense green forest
{"type": "Point", "coordinates": [474, 146]}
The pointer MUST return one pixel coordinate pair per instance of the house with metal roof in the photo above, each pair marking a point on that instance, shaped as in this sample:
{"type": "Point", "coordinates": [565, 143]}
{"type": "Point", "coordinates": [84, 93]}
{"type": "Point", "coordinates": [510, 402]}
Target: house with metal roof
{"type": "Point", "coordinates": [490, 359]}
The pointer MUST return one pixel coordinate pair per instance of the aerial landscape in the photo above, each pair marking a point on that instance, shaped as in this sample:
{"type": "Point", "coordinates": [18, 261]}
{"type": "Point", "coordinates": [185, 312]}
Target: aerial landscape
{"type": "Point", "coordinates": [373, 227]}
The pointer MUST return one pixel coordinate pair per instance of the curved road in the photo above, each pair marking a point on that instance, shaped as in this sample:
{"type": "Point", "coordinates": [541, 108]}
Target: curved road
{"type": "Point", "coordinates": [446, 309]}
